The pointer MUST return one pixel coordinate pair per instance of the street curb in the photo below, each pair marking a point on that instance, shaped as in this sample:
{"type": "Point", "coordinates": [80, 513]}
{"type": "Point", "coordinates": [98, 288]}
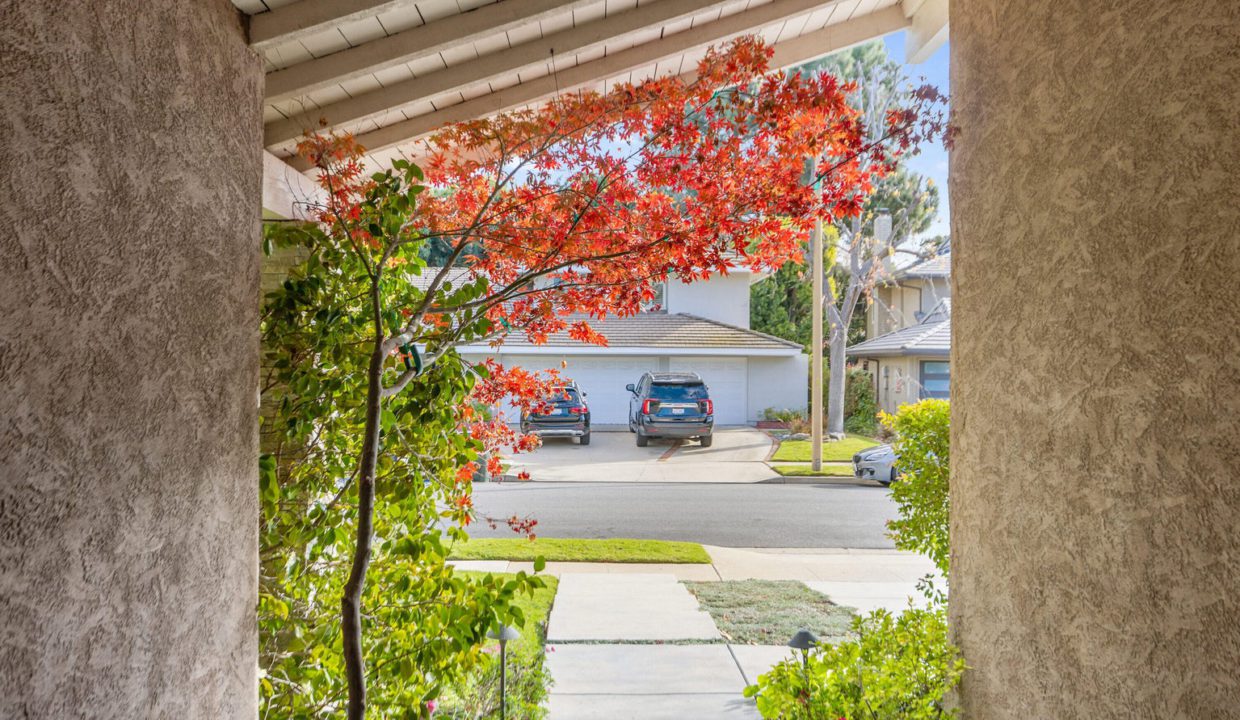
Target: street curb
{"type": "Point", "coordinates": [822, 480]}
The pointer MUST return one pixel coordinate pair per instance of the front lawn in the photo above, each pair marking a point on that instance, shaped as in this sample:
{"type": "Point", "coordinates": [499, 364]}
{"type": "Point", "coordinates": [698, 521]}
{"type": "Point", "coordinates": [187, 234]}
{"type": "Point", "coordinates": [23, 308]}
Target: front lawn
{"type": "Point", "coordinates": [838, 451]}
{"type": "Point", "coordinates": [769, 612]}
{"type": "Point", "coordinates": [828, 470]}
{"type": "Point", "coordinates": [576, 550]}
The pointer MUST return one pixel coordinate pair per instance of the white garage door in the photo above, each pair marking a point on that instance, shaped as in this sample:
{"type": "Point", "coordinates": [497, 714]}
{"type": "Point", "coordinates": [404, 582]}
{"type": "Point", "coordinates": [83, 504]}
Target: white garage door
{"type": "Point", "coordinates": [727, 380]}
{"type": "Point", "coordinates": [602, 379]}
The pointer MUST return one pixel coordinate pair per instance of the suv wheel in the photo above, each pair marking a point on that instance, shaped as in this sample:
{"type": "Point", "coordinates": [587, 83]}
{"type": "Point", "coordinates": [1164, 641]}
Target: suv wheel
{"type": "Point", "coordinates": [706, 440]}
{"type": "Point", "coordinates": [642, 440]}
{"type": "Point", "coordinates": [584, 439]}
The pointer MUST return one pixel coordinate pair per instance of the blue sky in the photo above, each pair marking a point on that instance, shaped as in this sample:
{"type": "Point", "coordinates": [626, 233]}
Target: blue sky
{"type": "Point", "coordinates": [932, 162]}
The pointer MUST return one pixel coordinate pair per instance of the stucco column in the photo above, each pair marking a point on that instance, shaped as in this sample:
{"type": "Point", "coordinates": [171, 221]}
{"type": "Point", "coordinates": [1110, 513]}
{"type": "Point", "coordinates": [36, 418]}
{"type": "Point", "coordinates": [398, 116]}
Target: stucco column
{"type": "Point", "coordinates": [1095, 199]}
{"type": "Point", "coordinates": [130, 170]}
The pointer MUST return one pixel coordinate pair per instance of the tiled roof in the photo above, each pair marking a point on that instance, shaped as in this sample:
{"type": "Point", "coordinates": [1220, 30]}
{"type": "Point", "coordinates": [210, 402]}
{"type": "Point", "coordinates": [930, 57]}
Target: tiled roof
{"type": "Point", "coordinates": [939, 266]}
{"type": "Point", "coordinates": [652, 329]}
{"type": "Point", "coordinates": [667, 330]}
{"type": "Point", "coordinates": [931, 336]}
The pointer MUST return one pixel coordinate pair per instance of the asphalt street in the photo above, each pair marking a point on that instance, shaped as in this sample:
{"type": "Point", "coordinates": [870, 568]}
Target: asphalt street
{"type": "Point", "coordinates": [729, 515]}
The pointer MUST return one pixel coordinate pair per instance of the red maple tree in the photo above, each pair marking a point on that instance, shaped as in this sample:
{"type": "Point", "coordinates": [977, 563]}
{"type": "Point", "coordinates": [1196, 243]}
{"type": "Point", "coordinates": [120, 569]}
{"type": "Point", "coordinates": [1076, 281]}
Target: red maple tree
{"type": "Point", "coordinates": [576, 209]}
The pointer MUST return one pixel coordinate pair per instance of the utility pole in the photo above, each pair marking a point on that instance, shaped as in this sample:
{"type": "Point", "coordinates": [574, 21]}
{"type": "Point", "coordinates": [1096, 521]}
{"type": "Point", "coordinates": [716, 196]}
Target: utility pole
{"type": "Point", "coordinates": [815, 249]}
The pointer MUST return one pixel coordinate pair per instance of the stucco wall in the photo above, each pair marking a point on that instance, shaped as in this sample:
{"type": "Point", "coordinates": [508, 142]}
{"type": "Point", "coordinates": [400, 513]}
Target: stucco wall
{"type": "Point", "coordinates": [1095, 195]}
{"type": "Point", "coordinates": [722, 298]}
{"type": "Point", "coordinates": [131, 136]}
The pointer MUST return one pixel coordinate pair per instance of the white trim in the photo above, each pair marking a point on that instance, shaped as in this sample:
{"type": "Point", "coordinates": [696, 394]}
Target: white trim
{"type": "Point", "coordinates": [641, 350]}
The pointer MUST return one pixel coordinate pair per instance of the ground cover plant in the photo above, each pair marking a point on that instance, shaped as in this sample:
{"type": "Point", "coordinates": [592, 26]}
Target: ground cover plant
{"type": "Point", "coordinates": [540, 220]}
{"type": "Point", "coordinates": [616, 550]}
{"type": "Point", "coordinates": [768, 612]}
{"type": "Point", "coordinates": [835, 451]}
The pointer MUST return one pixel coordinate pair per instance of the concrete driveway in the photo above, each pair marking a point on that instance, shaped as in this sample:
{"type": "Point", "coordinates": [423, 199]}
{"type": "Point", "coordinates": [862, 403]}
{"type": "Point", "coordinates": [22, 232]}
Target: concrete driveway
{"type": "Point", "coordinates": [736, 456]}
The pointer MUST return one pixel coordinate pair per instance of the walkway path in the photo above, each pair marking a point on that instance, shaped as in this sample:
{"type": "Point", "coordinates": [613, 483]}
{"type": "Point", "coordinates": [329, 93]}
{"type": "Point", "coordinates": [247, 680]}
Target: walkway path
{"type": "Point", "coordinates": [629, 641]}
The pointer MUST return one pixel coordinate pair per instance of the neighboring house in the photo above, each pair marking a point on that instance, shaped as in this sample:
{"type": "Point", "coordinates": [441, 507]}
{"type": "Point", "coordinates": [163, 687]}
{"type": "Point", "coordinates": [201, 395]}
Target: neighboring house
{"type": "Point", "coordinates": [909, 326]}
{"type": "Point", "coordinates": [702, 327]}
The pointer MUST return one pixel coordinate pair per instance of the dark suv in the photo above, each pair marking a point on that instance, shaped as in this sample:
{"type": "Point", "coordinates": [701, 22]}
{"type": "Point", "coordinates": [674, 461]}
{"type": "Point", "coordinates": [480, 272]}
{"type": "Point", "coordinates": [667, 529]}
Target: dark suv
{"type": "Point", "coordinates": [671, 405]}
{"type": "Point", "coordinates": [565, 415]}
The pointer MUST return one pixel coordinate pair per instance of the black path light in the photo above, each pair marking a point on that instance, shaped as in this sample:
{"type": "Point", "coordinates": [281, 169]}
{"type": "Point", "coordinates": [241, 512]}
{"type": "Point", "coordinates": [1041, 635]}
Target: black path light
{"type": "Point", "coordinates": [804, 641]}
{"type": "Point", "coordinates": [504, 634]}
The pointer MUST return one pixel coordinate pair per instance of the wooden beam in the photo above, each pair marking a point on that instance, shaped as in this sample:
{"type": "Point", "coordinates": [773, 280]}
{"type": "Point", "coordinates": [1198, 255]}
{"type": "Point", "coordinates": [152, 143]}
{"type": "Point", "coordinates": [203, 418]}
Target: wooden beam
{"type": "Point", "coordinates": [838, 36]}
{"type": "Point", "coordinates": [287, 193]}
{"type": "Point", "coordinates": [491, 67]}
{"type": "Point", "coordinates": [411, 45]}
{"type": "Point", "coordinates": [595, 71]}
{"type": "Point", "coordinates": [928, 31]}
{"type": "Point", "coordinates": [305, 18]}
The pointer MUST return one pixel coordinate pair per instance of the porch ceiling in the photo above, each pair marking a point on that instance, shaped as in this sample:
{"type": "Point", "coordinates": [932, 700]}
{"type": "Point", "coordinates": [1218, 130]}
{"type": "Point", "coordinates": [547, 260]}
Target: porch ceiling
{"type": "Point", "coordinates": [392, 71]}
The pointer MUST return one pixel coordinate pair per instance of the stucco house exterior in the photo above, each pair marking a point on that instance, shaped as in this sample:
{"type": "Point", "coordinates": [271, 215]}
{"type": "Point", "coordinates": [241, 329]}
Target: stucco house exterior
{"type": "Point", "coordinates": [701, 327]}
{"type": "Point", "coordinates": [909, 329]}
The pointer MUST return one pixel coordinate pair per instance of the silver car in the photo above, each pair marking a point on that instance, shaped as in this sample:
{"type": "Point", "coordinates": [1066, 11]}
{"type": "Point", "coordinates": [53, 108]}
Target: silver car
{"type": "Point", "coordinates": [876, 463]}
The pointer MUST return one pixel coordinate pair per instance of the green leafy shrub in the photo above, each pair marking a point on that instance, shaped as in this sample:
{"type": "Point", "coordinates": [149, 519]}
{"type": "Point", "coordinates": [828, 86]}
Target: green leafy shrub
{"type": "Point", "coordinates": [860, 403]}
{"type": "Point", "coordinates": [476, 695]}
{"type": "Point", "coordinates": [898, 668]}
{"type": "Point", "coordinates": [922, 444]}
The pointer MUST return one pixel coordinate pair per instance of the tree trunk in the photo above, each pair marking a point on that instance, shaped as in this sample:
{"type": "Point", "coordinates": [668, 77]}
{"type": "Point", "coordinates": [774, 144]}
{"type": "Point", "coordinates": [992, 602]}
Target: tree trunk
{"type": "Point", "coordinates": [351, 601]}
{"type": "Point", "coordinates": [835, 380]}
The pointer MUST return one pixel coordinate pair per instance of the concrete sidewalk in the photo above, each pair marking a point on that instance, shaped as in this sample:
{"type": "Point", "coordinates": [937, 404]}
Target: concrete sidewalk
{"type": "Point", "coordinates": [618, 633]}
{"type": "Point", "coordinates": [863, 579]}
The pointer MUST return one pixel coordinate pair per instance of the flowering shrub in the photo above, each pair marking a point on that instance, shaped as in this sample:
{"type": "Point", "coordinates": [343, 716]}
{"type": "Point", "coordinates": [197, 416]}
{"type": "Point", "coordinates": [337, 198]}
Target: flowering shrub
{"type": "Point", "coordinates": [922, 444]}
{"type": "Point", "coordinates": [898, 668]}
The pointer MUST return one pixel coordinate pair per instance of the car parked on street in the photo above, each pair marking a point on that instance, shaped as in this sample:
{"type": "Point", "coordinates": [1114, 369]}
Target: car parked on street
{"type": "Point", "coordinates": [671, 405]}
{"type": "Point", "coordinates": [565, 415]}
{"type": "Point", "coordinates": [876, 463]}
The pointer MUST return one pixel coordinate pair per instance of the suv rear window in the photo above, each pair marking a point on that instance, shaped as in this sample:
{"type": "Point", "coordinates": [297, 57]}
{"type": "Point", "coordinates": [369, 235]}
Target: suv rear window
{"type": "Point", "coordinates": [561, 396]}
{"type": "Point", "coordinates": [679, 392]}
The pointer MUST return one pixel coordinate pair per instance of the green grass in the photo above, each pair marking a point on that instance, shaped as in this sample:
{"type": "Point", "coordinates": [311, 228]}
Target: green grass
{"type": "Point", "coordinates": [838, 451]}
{"type": "Point", "coordinates": [570, 550]}
{"type": "Point", "coordinates": [768, 612]}
{"type": "Point", "coordinates": [828, 470]}
{"type": "Point", "coordinates": [535, 607]}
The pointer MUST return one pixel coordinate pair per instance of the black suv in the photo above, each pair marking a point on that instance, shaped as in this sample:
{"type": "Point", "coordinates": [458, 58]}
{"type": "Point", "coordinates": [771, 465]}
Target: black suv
{"type": "Point", "coordinates": [565, 415]}
{"type": "Point", "coordinates": [671, 405]}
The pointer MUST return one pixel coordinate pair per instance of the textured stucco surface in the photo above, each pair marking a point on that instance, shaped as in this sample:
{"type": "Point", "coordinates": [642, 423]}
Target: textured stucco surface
{"type": "Point", "coordinates": [130, 184]}
{"type": "Point", "coordinates": [1096, 358]}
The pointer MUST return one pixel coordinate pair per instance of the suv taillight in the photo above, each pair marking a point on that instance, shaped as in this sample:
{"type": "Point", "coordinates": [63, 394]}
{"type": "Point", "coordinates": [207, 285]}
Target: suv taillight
{"type": "Point", "coordinates": [649, 406]}
{"type": "Point", "coordinates": [579, 410]}
{"type": "Point", "coordinates": [708, 406]}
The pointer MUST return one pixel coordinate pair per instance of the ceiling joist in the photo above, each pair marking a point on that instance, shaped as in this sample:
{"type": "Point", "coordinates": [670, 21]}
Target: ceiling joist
{"type": "Point", "coordinates": [305, 18]}
{"type": "Point", "coordinates": [411, 45]}
{"type": "Point", "coordinates": [613, 66]}
{"type": "Point", "coordinates": [473, 74]}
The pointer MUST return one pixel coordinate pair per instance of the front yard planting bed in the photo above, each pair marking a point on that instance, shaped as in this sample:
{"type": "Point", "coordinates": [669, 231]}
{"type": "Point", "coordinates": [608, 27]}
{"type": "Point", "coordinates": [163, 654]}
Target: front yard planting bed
{"type": "Point", "coordinates": [528, 679]}
{"type": "Point", "coordinates": [769, 612]}
{"type": "Point", "coordinates": [828, 470]}
{"type": "Point", "coordinates": [578, 550]}
{"type": "Point", "coordinates": [838, 451]}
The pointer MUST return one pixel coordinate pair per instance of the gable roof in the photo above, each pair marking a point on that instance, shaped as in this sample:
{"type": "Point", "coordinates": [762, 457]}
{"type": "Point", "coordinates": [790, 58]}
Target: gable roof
{"type": "Point", "coordinates": [939, 266]}
{"type": "Point", "coordinates": [654, 331]}
{"type": "Point", "coordinates": [931, 336]}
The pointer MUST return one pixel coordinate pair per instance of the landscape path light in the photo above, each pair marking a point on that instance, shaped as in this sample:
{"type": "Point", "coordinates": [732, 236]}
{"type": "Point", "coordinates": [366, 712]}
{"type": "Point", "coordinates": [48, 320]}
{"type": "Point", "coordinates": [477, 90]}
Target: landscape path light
{"type": "Point", "coordinates": [504, 634]}
{"type": "Point", "coordinates": [804, 641]}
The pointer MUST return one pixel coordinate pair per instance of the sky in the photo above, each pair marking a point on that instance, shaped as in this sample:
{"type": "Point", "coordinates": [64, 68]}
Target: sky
{"type": "Point", "coordinates": [932, 162]}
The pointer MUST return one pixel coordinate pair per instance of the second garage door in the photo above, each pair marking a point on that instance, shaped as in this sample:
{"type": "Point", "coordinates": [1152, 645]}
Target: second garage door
{"type": "Point", "coordinates": [602, 379]}
{"type": "Point", "coordinates": [727, 380]}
